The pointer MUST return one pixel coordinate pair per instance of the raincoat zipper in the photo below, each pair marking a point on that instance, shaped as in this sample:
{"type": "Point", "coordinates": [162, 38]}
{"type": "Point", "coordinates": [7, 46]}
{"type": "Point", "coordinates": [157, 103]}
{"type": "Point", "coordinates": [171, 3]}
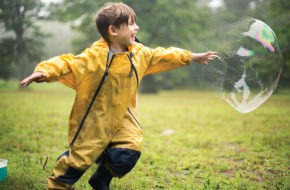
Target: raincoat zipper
{"type": "Point", "coordinates": [108, 65]}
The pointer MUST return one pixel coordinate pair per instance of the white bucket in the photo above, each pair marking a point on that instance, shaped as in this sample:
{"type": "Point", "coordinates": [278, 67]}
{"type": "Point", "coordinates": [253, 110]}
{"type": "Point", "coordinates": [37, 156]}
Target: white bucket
{"type": "Point", "coordinates": [3, 169]}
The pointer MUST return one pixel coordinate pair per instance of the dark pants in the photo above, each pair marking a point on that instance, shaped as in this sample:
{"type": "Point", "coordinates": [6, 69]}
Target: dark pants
{"type": "Point", "coordinates": [120, 161]}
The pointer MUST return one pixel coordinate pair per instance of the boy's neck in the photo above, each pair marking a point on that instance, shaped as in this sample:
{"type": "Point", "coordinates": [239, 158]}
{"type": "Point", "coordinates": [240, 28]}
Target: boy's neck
{"type": "Point", "coordinates": [117, 48]}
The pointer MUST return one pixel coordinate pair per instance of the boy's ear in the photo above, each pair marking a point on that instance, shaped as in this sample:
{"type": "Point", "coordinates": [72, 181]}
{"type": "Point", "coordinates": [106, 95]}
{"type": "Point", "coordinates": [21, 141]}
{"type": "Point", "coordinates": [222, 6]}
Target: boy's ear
{"type": "Point", "coordinates": [112, 31]}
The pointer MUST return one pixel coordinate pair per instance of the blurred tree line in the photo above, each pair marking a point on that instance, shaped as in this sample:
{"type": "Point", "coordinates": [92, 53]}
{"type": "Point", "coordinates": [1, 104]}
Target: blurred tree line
{"type": "Point", "coordinates": [21, 40]}
{"type": "Point", "coordinates": [189, 24]}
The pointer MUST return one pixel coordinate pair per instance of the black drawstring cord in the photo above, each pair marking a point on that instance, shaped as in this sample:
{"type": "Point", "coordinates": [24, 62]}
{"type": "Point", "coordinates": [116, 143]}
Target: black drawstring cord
{"type": "Point", "coordinates": [133, 68]}
{"type": "Point", "coordinates": [130, 59]}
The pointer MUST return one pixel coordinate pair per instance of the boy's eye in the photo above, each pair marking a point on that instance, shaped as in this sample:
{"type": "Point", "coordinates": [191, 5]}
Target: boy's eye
{"type": "Point", "coordinates": [131, 21]}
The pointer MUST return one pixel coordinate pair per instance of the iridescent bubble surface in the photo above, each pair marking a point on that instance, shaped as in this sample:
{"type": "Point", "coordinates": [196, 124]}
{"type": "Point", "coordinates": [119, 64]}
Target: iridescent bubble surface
{"type": "Point", "coordinates": [250, 64]}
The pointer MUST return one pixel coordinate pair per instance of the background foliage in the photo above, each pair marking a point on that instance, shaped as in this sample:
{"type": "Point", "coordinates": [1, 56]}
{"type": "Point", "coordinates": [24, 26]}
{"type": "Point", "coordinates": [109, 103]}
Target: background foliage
{"type": "Point", "coordinates": [21, 40]}
{"type": "Point", "coordinates": [189, 24]}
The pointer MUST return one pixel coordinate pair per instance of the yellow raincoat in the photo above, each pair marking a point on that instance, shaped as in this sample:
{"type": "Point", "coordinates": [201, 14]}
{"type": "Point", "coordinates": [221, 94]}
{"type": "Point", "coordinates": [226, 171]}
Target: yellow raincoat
{"type": "Point", "coordinates": [112, 119]}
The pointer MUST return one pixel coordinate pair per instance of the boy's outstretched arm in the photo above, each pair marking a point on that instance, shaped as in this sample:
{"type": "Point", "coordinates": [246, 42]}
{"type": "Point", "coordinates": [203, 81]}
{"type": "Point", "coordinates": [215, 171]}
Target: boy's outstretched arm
{"type": "Point", "coordinates": [203, 58]}
{"type": "Point", "coordinates": [36, 76]}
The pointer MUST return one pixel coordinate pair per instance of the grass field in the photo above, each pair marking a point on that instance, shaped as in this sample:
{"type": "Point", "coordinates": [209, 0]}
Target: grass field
{"type": "Point", "coordinates": [192, 140]}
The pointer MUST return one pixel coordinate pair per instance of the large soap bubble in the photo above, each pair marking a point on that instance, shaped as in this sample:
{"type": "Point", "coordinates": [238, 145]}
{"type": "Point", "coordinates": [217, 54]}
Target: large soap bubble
{"type": "Point", "coordinates": [250, 64]}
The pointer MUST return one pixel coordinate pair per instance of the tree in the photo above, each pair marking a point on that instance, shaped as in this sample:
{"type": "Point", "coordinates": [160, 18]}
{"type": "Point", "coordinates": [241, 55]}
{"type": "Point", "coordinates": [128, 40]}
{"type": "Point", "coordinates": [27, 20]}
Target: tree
{"type": "Point", "coordinates": [81, 16]}
{"type": "Point", "coordinates": [17, 18]}
{"type": "Point", "coordinates": [6, 57]}
{"type": "Point", "coordinates": [277, 15]}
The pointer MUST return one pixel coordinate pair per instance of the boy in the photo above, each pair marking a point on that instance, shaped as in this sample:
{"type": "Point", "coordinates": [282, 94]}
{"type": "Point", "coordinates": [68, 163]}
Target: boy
{"type": "Point", "coordinates": [103, 125]}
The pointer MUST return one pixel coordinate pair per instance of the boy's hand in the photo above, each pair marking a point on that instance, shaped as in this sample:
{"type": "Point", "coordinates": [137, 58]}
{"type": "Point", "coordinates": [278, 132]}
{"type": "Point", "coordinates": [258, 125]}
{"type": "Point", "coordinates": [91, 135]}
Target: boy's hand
{"type": "Point", "coordinates": [203, 58]}
{"type": "Point", "coordinates": [33, 77]}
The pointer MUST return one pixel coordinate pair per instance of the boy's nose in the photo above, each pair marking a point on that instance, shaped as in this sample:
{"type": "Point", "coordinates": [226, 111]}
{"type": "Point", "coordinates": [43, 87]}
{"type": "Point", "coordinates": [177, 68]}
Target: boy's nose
{"type": "Point", "coordinates": [136, 27]}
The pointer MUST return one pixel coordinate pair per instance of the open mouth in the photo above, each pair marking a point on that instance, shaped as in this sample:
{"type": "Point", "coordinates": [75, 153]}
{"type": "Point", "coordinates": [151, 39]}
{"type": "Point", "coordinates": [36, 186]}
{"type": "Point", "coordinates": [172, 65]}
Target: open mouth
{"type": "Point", "coordinates": [133, 37]}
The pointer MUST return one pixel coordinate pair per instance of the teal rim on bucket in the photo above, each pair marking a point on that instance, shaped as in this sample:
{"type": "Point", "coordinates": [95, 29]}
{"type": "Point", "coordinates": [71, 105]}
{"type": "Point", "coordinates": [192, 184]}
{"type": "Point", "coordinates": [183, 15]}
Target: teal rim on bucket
{"type": "Point", "coordinates": [3, 169]}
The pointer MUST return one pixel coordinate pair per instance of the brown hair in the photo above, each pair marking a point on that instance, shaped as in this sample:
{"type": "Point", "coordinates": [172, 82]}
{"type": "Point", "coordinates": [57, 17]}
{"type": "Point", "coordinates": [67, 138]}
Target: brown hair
{"type": "Point", "coordinates": [114, 14]}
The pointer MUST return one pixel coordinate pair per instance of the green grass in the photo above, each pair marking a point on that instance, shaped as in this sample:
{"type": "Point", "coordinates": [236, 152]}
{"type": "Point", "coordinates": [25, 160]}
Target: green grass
{"type": "Point", "coordinates": [210, 145]}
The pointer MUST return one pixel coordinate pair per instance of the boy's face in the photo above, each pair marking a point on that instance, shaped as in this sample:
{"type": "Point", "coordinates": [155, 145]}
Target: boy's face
{"type": "Point", "coordinates": [126, 33]}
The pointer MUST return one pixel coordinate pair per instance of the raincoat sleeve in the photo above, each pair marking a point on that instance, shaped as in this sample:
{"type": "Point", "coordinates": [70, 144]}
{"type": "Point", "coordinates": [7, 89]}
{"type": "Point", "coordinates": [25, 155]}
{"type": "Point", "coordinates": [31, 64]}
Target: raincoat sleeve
{"type": "Point", "coordinates": [167, 59]}
{"type": "Point", "coordinates": [68, 68]}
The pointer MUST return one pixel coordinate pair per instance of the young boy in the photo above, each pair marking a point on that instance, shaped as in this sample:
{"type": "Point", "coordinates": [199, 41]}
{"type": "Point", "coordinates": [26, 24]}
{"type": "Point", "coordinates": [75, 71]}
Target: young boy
{"type": "Point", "coordinates": [103, 125]}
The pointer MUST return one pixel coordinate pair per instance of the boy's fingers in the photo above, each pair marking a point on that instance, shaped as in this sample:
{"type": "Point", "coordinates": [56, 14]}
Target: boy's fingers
{"type": "Point", "coordinates": [213, 55]}
{"type": "Point", "coordinates": [26, 81]}
{"type": "Point", "coordinates": [31, 78]}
